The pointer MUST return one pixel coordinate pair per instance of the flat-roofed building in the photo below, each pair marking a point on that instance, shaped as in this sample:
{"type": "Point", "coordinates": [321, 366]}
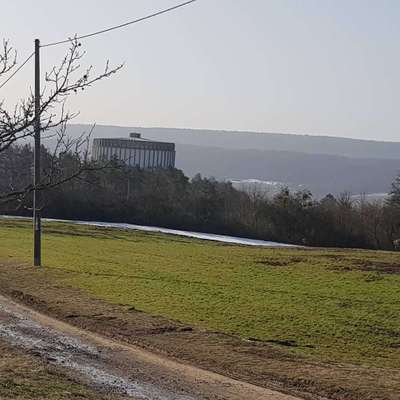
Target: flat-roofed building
{"type": "Point", "coordinates": [135, 151]}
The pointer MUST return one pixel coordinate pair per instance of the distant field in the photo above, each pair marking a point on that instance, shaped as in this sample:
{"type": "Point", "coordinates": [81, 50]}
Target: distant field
{"type": "Point", "coordinates": [331, 305]}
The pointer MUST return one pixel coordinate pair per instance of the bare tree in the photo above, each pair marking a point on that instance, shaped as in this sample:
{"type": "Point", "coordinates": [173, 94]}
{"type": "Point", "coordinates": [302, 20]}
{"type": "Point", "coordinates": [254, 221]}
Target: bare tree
{"type": "Point", "coordinates": [8, 58]}
{"type": "Point", "coordinates": [17, 123]}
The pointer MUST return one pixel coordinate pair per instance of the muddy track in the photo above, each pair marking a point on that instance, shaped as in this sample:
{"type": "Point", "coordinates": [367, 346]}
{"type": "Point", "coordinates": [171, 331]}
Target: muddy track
{"type": "Point", "coordinates": [118, 368]}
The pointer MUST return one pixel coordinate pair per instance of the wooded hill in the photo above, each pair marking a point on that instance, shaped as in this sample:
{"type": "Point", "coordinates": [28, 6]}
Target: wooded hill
{"type": "Point", "coordinates": [322, 164]}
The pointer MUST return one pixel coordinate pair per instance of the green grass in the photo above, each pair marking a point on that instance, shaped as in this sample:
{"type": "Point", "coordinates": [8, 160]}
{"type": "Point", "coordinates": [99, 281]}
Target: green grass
{"type": "Point", "coordinates": [332, 305]}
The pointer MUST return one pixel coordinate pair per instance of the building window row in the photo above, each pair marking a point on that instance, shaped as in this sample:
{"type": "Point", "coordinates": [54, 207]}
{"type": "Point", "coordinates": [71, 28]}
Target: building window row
{"type": "Point", "coordinates": [143, 158]}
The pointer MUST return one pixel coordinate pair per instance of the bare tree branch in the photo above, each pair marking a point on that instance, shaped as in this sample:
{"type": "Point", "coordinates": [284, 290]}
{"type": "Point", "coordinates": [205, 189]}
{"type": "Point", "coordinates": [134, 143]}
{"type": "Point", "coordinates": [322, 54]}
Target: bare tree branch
{"type": "Point", "coordinates": [8, 58]}
{"type": "Point", "coordinates": [17, 123]}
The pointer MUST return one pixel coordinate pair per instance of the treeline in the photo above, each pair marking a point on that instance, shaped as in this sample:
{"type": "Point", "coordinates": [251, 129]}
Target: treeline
{"type": "Point", "coordinates": [168, 198]}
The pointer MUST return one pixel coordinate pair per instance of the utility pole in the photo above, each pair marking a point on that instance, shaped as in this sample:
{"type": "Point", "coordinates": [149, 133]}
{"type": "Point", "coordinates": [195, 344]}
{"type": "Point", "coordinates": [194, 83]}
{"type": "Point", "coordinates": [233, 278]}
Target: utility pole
{"type": "Point", "coordinates": [37, 229]}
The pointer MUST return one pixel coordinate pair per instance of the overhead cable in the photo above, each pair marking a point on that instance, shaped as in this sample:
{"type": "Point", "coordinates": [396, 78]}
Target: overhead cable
{"type": "Point", "coordinates": [16, 71]}
{"type": "Point", "coordinates": [121, 25]}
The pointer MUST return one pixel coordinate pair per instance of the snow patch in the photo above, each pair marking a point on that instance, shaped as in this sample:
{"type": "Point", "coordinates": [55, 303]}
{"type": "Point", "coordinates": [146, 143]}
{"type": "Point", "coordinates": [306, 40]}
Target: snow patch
{"type": "Point", "coordinates": [157, 229]}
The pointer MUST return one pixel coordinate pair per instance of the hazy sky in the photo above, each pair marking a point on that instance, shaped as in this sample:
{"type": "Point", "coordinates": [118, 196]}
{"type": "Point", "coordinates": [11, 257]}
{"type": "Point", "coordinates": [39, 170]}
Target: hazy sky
{"type": "Point", "coordinates": [312, 66]}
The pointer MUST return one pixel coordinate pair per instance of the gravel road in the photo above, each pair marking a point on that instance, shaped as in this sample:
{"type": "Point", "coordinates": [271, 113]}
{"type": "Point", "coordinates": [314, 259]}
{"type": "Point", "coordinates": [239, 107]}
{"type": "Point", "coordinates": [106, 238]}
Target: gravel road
{"type": "Point", "coordinates": [115, 367]}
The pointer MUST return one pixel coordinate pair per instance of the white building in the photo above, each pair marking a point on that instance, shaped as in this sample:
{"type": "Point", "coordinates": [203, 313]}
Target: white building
{"type": "Point", "coordinates": [135, 151]}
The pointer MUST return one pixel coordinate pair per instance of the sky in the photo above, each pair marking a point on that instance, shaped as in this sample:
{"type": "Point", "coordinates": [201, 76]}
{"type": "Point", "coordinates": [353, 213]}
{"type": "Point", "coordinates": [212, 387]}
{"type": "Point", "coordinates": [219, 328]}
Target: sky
{"type": "Point", "coordinates": [323, 67]}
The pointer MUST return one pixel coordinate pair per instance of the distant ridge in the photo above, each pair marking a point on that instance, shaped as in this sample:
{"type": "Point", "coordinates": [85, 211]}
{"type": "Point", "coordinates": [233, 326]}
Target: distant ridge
{"type": "Point", "coordinates": [354, 148]}
{"type": "Point", "coordinates": [322, 163]}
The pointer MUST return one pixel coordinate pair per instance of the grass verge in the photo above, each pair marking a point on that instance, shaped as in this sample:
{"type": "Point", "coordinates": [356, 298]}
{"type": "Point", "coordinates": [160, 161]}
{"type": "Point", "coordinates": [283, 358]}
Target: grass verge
{"type": "Point", "coordinates": [23, 377]}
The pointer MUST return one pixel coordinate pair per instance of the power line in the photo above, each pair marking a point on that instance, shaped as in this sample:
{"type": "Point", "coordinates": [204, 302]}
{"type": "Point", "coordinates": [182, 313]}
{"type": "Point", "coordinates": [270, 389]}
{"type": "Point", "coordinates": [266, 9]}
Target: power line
{"type": "Point", "coordinates": [98, 33]}
{"type": "Point", "coordinates": [16, 71]}
{"type": "Point", "coordinates": [121, 25]}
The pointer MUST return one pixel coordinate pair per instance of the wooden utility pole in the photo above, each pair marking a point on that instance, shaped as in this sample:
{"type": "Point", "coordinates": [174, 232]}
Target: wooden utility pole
{"type": "Point", "coordinates": [37, 229]}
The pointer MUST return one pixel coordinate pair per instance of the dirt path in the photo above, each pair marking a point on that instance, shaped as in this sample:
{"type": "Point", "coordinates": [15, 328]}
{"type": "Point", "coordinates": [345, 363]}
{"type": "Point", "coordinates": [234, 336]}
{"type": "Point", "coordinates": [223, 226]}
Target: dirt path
{"type": "Point", "coordinates": [115, 367]}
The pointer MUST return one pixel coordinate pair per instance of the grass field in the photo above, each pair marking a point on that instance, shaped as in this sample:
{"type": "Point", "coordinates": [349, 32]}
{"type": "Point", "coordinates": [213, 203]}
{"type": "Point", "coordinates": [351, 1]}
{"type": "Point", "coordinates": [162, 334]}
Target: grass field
{"type": "Point", "coordinates": [330, 305]}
